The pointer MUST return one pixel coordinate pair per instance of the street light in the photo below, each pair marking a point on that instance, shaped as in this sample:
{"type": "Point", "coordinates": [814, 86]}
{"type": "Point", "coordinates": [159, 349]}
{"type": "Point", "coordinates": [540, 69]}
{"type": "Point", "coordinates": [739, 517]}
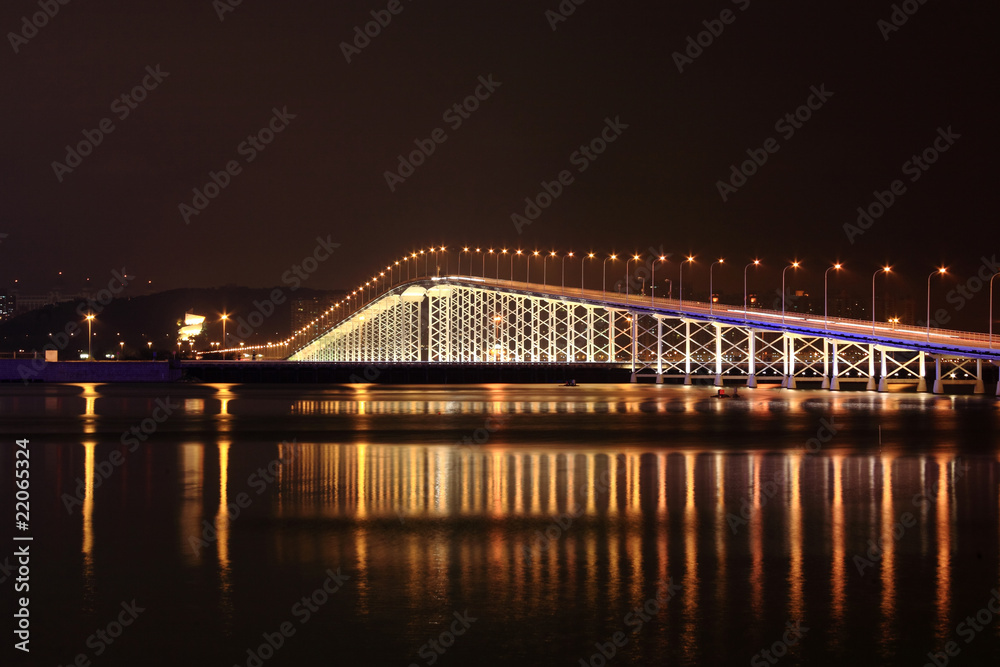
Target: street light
{"type": "Point", "coordinates": [636, 258]}
{"type": "Point", "coordinates": [680, 303]}
{"type": "Point", "coordinates": [604, 275]}
{"type": "Point", "coordinates": [887, 269]}
{"type": "Point", "coordinates": [652, 278]}
{"type": "Point", "coordinates": [570, 254]}
{"type": "Point", "coordinates": [90, 336]}
{"type": "Point", "coordinates": [711, 292]}
{"type": "Point", "coordinates": [589, 256]}
{"type": "Point", "coordinates": [754, 263]}
{"type": "Point", "coordinates": [484, 263]}
{"type": "Point", "coordinates": [466, 249]}
{"type": "Point", "coordinates": [793, 265]}
{"type": "Point", "coordinates": [941, 272]}
{"type": "Point", "coordinates": [826, 319]}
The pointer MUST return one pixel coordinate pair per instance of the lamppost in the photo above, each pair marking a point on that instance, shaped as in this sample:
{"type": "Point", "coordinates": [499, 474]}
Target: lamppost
{"type": "Point", "coordinates": [793, 265]}
{"type": "Point", "coordinates": [636, 258]}
{"type": "Point", "coordinates": [90, 336]}
{"type": "Point", "coordinates": [754, 263]}
{"type": "Point", "coordinates": [570, 254]}
{"type": "Point", "coordinates": [589, 256]}
{"type": "Point", "coordinates": [484, 263]}
{"type": "Point", "coordinates": [225, 316]}
{"type": "Point", "coordinates": [504, 251]}
{"type": "Point", "coordinates": [604, 276]}
{"type": "Point", "coordinates": [991, 318]}
{"type": "Point", "coordinates": [680, 304]}
{"type": "Point", "coordinates": [460, 261]}
{"type": "Point", "coordinates": [447, 258]}
{"type": "Point", "coordinates": [711, 292]}
{"type": "Point", "coordinates": [652, 278]}
{"type": "Point", "coordinates": [826, 292]}
{"type": "Point", "coordinates": [941, 272]}
{"type": "Point", "coordinates": [886, 269]}
{"type": "Point", "coordinates": [120, 354]}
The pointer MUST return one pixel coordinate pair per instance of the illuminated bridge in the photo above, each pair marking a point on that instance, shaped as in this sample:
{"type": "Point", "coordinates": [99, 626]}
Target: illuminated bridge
{"type": "Point", "coordinates": [462, 319]}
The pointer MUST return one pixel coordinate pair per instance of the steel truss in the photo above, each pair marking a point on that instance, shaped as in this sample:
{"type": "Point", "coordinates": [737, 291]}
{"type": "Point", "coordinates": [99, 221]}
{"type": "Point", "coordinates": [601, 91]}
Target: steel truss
{"type": "Point", "coordinates": [446, 322]}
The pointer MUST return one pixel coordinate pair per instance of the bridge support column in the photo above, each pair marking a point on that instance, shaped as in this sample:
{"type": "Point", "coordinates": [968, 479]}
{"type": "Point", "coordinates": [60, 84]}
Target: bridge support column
{"type": "Point", "coordinates": [687, 352]}
{"type": "Point", "coordinates": [979, 388]}
{"type": "Point", "coordinates": [659, 350]}
{"type": "Point", "coordinates": [826, 365]}
{"type": "Point", "coordinates": [938, 384]}
{"type": "Point", "coordinates": [784, 360]}
{"type": "Point", "coordinates": [835, 380]}
{"type": "Point", "coordinates": [751, 361]}
{"type": "Point", "coordinates": [871, 369]}
{"type": "Point", "coordinates": [790, 381]}
{"type": "Point", "coordinates": [922, 382]}
{"type": "Point", "coordinates": [634, 333]}
{"type": "Point", "coordinates": [883, 381]}
{"type": "Point", "coordinates": [718, 355]}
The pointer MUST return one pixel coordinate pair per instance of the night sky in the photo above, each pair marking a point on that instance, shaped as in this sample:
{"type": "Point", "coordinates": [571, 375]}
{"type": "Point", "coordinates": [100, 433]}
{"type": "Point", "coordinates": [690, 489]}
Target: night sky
{"type": "Point", "coordinates": [552, 91]}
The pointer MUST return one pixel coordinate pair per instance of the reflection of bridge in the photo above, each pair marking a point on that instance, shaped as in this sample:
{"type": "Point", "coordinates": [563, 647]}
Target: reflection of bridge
{"type": "Point", "coordinates": [464, 319]}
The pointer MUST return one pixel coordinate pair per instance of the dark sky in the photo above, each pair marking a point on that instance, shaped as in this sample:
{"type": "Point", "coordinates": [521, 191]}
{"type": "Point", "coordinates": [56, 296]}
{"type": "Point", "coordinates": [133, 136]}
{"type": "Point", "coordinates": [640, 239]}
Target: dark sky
{"type": "Point", "coordinates": [656, 184]}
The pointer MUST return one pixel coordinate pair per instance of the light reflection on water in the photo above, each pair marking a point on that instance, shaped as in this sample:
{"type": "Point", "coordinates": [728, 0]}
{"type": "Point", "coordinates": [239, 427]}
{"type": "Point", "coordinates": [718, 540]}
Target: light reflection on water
{"type": "Point", "coordinates": [555, 539]}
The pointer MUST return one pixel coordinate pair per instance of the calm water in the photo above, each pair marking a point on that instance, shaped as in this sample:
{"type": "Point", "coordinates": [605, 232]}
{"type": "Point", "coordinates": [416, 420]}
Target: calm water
{"type": "Point", "coordinates": [503, 524]}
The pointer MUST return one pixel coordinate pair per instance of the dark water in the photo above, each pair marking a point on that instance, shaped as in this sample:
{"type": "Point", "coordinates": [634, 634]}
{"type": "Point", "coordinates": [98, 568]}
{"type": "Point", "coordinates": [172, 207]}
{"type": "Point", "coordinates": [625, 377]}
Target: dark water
{"type": "Point", "coordinates": [506, 524]}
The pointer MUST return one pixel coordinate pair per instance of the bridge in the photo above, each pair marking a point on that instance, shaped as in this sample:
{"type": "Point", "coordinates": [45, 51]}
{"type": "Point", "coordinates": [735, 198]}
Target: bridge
{"type": "Point", "coordinates": [469, 319]}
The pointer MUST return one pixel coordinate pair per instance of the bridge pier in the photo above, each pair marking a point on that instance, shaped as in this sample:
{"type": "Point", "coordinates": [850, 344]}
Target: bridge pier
{"type": "Point", "coordinates": [938, 384]}
{"type": "Point", "coordinates": [687, 352]}
{"type": "Point", "coordinates": [922, 382]}
{"type": "Point", "coordinates": [718, 354]}
{"type": "Point", "coordinates": [979, 388]}
{"type": "Point", "coordinates": [871, 369]}
{"type": "Point", "coordinates": [883, 381]}
{"type": "Point", "coordinates": [791, 362]}
{"type": "Point", "coordinates": [826, 365]}
{"type": "Point", "coordinates": [835, 380]}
